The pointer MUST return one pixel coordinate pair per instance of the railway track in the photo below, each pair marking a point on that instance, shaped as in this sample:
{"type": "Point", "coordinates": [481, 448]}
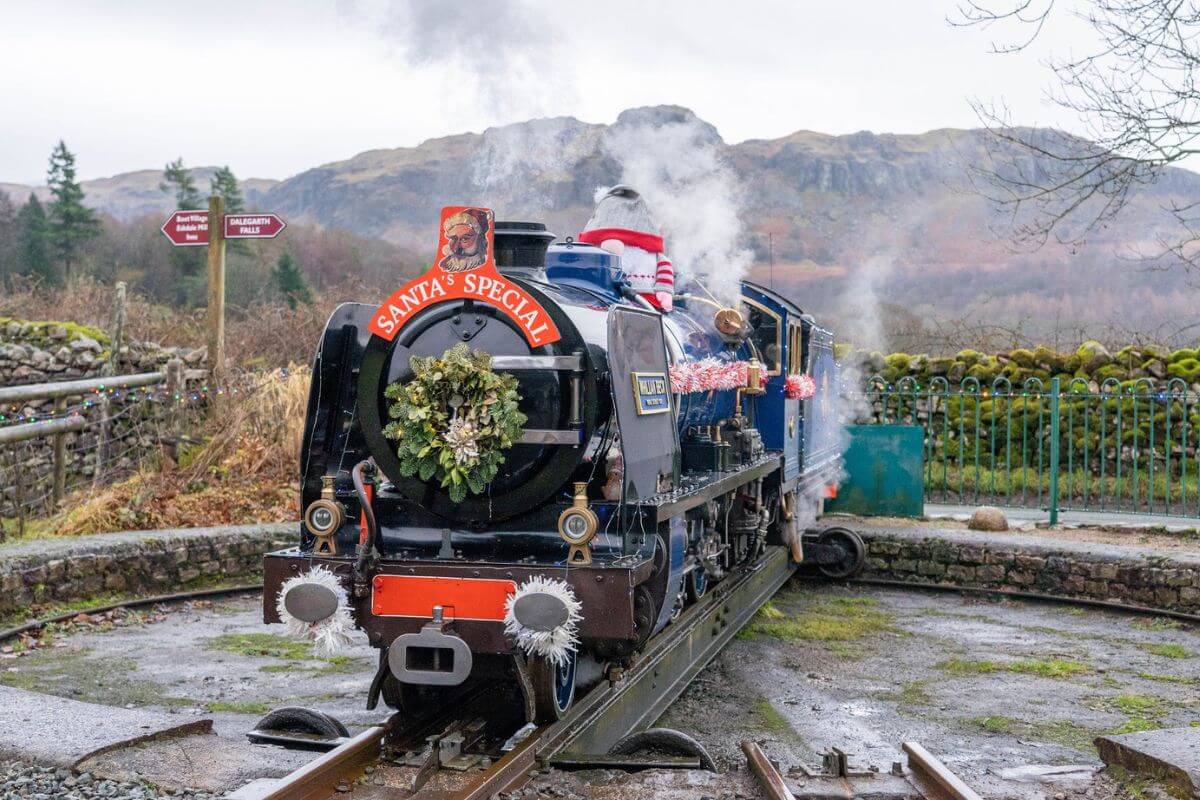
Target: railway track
{"type": "Point", "coordinates": [597, 720]}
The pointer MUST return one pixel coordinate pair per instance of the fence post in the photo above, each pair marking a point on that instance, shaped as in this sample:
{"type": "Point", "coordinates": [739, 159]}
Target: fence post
{"type": "Point", "coordinates": [118, 332]}
{"type": "Point", "coordinates": [102, 440]}
{"type": "Point", "coordinates": [175, 386]}
{"type": "Point", "coordinates": [60, 457]}
{"type": "Point", "coordinates": [1055, 391]}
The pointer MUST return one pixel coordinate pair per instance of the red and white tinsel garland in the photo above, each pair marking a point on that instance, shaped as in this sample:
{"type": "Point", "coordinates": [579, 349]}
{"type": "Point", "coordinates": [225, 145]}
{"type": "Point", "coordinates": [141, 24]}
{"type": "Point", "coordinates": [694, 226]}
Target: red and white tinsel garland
{"type": "Point", "coordinates": [799, 387]}
{"type": "Point", "coordinates": [707, 375]}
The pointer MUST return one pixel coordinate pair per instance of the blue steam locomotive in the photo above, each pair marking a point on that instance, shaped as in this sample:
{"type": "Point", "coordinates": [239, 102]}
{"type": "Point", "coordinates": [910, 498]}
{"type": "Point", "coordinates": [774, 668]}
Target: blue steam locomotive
{"type": "Point", "coordinates": [660, 453]}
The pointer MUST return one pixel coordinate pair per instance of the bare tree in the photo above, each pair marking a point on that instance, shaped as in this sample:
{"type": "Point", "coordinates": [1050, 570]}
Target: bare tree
{"type": "Point", "coordinates": [1135, 96]}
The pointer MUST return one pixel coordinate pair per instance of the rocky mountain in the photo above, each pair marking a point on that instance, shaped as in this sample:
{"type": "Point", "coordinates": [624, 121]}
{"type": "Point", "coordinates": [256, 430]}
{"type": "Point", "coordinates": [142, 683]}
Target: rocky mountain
{"type": "Point", "coordinates": [876, 231]}
{"type": "Point", "coordinates": [131, 195]}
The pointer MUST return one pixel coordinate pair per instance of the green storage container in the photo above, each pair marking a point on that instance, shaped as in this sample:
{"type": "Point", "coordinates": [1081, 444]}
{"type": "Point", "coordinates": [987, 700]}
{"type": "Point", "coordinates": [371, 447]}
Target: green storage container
{"type": "Point", "coordinates": [885, 467]}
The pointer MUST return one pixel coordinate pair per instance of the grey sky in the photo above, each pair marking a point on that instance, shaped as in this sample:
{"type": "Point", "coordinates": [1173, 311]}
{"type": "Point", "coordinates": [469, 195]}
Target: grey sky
{"type": "Point", "coordinates": [304, 83]}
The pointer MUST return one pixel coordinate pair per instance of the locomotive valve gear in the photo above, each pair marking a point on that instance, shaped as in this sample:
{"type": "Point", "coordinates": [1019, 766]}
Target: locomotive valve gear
{"type": "Point", "coordinates": [577, 526]}
{"type": "Point", "coordinates": [324, 518]}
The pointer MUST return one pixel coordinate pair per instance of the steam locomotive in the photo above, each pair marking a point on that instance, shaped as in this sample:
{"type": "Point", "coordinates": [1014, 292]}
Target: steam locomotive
{"type": "Point", "coordinates": [626, 497]}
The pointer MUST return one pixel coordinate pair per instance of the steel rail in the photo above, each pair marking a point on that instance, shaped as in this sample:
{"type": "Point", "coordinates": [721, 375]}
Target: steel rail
{"type": "Point", "coordinates": [321, 776]}
{"type": "Point", "coordinates": [934, 777]}
{"type": "Point", "coordinates": [1017, 594]}
{"type": "Point", "coordinates": [137, 602]}
{"type": "Point", "coordinates": [38, 430]}
{"type": "Point", "coordinates": [51, 391]}
{"type": "Point", "coordinates": [769, 779]}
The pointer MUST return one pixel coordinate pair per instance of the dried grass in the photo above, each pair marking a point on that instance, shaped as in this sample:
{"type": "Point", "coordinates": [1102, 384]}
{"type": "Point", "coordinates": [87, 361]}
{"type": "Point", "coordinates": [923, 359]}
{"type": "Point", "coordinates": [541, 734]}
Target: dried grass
{"type": "Point", "coordinates": [247, 470]}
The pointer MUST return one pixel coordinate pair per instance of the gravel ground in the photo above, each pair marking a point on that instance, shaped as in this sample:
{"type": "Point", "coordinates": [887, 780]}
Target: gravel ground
{"type": "Point", "coordinates": [1004, 692]}
{"type": "Point", "coordinates": [30, 782]}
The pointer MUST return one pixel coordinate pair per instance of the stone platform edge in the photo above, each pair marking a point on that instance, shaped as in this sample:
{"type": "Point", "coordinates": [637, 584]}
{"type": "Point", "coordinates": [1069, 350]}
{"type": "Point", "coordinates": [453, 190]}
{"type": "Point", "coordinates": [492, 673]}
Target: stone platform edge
{"type": "Point", "coordinates": [133, 563]}
{"type": "Point", "coordinates": [1158, 579]}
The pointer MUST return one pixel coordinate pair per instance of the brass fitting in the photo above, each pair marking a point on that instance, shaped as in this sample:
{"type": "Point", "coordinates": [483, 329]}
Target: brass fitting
{"type": "Point", "coordinates": [754, 377]}
{"type": "Point", "coordinates": [729, 321]}
{"type": "Point", "coordinates": [577, 526]}
{"type": "Point", "coordinates": [324, 519]}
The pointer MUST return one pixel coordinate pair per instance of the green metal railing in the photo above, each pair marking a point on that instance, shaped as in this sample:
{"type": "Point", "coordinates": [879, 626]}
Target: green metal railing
{"type": "Point", "coordinates": [1128, 447]}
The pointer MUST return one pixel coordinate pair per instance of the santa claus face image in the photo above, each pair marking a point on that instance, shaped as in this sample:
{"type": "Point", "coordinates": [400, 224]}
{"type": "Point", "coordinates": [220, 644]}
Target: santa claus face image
{"type": "Point", "coordinates": [465, 246]}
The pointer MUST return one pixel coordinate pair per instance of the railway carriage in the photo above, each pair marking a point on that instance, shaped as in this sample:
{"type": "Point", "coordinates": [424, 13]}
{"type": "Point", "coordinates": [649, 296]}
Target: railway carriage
{"type": "Point", "coordinates": [659, 453]}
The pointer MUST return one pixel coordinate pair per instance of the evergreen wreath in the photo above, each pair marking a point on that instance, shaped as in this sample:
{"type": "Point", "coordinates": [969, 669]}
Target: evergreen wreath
{"type": "Point", "coordinates": [454, 419]}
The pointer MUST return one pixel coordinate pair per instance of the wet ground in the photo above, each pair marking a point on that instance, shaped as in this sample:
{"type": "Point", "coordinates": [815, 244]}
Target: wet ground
{"type": "Point", "coordinates": [1003, 692]}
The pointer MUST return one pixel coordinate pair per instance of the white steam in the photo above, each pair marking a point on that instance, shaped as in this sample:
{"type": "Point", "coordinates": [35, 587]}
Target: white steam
{"type": "Point", "coordinates": [493, 53]}
{"type": "Point", "coordinates": [678, 168]}
{"type": "Point", "coordinates": [861, 304]}
{"type": "Point", "coordinates": [524, 162]}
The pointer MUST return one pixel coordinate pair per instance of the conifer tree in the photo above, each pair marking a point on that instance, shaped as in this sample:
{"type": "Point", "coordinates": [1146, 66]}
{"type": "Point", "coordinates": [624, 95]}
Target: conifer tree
{"type": "Point", "coordinates": [290, 282]}
{"type": "Point", "coordinates": [33, 252]}
{"type": "Point", "coordinates": [178, 180]}
{"type": "Point", "coordinates": [225, 184]}
{"type": "Point", "coordinates": [70, 222]}
{"type": "Point", "coordinates": [9, 240]}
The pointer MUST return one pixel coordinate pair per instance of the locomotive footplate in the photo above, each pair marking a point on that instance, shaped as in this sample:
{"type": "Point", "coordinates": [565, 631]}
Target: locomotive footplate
{"type": "Point", "coordinates": [403, 594]}
{"type": "Point", "coordinates": [700, 487]}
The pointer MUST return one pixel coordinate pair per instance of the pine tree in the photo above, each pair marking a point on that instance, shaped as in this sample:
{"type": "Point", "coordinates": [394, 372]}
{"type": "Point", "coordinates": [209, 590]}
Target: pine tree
{"type": "Point", "coordinates": [71, 223]}
{"type": "Point", "coordinates": [33, 256]}
{"type": "Point", "coordinates": [225, 184]}
{"type": "Point", "coordinates": [290, 282]}
{"type": "Point", "coordinates": [9, 240]}
{"type": "Point", "coordinates": [178, 180]}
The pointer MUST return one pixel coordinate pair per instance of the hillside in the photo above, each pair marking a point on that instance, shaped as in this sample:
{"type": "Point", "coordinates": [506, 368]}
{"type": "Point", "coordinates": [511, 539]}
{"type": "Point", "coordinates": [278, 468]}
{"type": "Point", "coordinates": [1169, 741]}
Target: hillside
{"type": "Point", "coordinates": [856, 223]}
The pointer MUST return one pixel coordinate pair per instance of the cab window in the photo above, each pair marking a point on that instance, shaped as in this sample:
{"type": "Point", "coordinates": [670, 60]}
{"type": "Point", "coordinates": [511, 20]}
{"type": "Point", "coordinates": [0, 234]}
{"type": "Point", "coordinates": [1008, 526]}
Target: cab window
{"type": "Point", "coordinates": [766, 336]}
{"type": "Point", "coordinates": [795, 350]}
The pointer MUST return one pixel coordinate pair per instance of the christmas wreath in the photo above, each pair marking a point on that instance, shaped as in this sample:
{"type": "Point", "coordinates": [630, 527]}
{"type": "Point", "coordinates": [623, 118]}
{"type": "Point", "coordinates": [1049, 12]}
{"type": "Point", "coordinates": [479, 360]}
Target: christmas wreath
{"type": "Point", "coordinates": [454, 419]}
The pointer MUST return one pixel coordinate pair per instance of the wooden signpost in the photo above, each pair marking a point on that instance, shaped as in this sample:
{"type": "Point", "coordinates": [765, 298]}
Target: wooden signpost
{"type": "Point", "coordinates": [194, 228]}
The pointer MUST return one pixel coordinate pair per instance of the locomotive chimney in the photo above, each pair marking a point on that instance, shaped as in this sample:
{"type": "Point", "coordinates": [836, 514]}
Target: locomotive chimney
{"type": "Point", "coordinates": [521, 246]}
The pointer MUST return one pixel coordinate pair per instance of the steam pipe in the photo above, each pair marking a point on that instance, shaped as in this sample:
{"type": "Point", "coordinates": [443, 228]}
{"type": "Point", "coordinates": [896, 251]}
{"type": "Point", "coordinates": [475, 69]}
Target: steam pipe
{"type": "Point", "coordinates": [629, 294]}
{"type": "Point", "coordinates": [367, 539]}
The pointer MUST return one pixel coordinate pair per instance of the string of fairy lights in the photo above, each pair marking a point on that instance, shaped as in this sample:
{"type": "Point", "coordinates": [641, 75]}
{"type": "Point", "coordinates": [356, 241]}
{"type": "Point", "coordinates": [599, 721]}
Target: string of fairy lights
{"type": "Point", "coordinates": [14, 414]}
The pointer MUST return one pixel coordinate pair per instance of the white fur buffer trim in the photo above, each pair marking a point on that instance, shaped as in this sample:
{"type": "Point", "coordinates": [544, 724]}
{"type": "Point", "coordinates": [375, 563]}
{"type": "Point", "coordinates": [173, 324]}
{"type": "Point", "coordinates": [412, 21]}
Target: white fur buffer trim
{"type": "Point", "coordinates": [557, 644]}
{"type": "Point", "coordinates": [332, 634]}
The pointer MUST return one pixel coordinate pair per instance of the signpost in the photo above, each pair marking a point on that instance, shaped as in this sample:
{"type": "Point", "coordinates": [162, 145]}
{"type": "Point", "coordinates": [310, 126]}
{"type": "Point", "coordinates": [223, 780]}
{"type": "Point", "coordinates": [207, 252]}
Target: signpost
{"type": "Point", "coordinates": [253, 226]}
{"type": "Point", "coordinates": [187, 228]}
{"type": "Point", "coordinates": [212, 227]}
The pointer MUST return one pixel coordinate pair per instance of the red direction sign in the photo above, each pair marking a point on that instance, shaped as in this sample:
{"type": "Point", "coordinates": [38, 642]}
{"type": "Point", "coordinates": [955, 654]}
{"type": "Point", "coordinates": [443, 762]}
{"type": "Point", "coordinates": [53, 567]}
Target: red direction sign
{"type": "Point", "coordinates": [187, 228]}
{"type": "Point", "coordinates": [253, 226]}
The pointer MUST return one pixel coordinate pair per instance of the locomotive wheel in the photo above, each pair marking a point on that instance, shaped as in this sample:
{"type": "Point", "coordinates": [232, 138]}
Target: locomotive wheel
{"type": "Point", "coordinates": [663, 740]}
{"type": "Point", "coordinates": [697, 583]}
{"type": "Point", "coordinates": [553, 687]}
{"type": "Point", "coordinates": [850, 545]}
{"type": "Point", "coordinates": [295, 719]}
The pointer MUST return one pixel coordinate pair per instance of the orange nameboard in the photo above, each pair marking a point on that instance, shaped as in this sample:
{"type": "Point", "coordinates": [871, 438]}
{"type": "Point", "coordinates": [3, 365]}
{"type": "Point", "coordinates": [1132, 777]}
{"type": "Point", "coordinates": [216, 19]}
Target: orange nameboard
{"type": "Point", "coordinates": [460, 598]}
{"type": "Point", "coordinates": [466, 271]}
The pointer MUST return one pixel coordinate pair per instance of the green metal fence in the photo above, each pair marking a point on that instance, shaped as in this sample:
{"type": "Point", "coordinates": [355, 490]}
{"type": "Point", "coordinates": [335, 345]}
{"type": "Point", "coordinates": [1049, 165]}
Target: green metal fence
{"type": "Point", "coordinates": [1123, 446]}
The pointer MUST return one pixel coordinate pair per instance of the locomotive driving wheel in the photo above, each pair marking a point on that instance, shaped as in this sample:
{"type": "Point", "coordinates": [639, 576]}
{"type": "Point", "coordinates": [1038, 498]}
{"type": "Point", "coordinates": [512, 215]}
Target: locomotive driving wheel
{"type": "Point", "coordinates": [553, 686]}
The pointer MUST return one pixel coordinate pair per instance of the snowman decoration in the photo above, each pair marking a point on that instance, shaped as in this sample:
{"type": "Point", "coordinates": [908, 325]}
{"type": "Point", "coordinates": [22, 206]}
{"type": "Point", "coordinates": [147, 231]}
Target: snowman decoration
{"type": "Point", "coordinates": [622, 225]}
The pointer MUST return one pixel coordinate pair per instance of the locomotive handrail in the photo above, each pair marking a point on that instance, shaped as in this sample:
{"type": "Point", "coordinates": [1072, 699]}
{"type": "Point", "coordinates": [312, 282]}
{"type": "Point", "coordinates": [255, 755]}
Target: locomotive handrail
{"type": "Point", "coordinates": [538, 362]}
{"type": "Point", "coordinates": [544, 436]}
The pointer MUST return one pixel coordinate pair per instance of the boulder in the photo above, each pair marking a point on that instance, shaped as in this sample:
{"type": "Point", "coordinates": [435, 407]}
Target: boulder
{"type": "Point", "coordinates": [988, 518]}
{"type": "Point", "coordinates": [82, 342]}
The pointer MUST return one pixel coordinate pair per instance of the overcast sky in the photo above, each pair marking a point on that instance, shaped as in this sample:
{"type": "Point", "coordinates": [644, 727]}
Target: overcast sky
{"type": "Point", "coordinates": [273, 87]}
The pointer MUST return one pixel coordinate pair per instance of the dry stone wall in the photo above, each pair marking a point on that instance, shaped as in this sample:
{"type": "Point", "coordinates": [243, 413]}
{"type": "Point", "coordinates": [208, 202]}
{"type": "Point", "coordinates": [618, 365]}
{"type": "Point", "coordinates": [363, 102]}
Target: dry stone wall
{"type": "Point", "coordinates": [133, 564]}
{"type": "Point", "coordinates": [1124, 574]}
{"type": "Point", "coordinates": [46, 352]}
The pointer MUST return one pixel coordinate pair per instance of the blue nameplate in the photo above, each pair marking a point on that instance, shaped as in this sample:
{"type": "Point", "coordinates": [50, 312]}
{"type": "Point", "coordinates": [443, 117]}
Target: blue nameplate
{"type": "Point", "coordinates": [652, 392]}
